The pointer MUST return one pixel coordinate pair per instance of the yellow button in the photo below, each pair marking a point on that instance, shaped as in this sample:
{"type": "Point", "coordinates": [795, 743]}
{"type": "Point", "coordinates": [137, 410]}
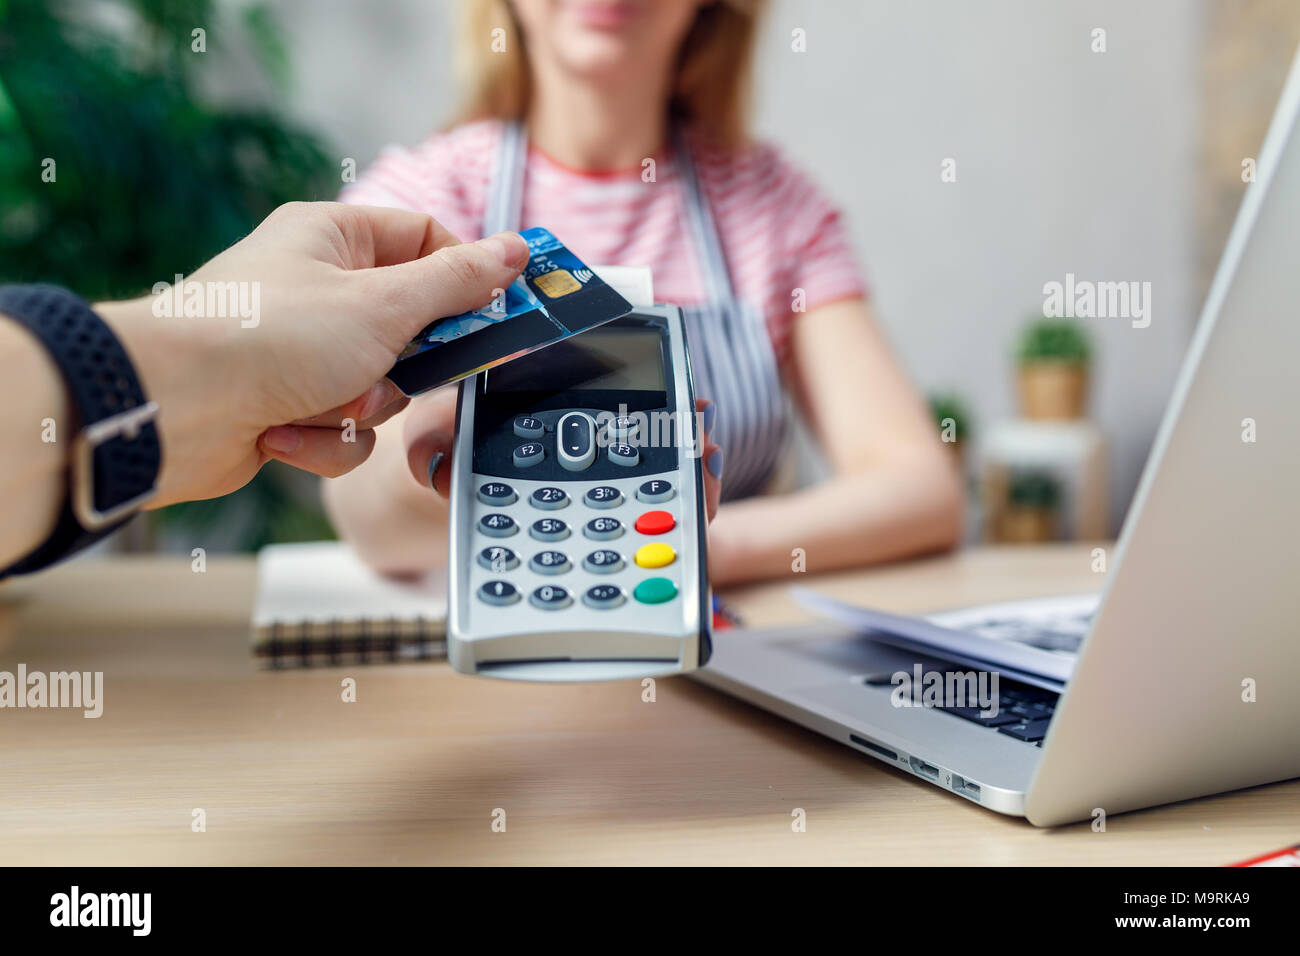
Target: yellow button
{"type": "Point", "coordinates": [657, 555]}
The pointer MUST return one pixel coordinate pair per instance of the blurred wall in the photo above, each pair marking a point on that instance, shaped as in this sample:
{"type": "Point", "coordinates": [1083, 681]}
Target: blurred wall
{"type": "Point", "coordinates": [1067, 161]}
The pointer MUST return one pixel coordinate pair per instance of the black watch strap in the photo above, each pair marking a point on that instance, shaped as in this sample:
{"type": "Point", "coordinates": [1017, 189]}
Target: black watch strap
{"type": "Point", "coordinates": [115, 454]}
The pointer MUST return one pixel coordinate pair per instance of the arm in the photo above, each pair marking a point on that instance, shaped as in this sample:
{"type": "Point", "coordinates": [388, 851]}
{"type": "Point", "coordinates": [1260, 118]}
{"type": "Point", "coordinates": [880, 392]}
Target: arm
{"type": "Point", "coordinates": [31, 480]}
{"type": "Point", "coordinates": [341, 290]}
{"type": "Point", "coordinates": [893, 492]}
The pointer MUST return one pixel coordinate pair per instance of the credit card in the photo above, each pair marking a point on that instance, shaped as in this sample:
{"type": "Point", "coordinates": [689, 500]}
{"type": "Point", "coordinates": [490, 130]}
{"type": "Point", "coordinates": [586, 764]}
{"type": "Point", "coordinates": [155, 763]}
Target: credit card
{"type": "Point", "coordinates": [556, 296]}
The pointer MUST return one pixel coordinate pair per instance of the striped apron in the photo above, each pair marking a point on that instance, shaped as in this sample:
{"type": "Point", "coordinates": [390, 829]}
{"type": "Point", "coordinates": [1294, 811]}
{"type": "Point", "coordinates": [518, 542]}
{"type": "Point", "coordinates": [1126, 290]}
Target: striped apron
{"type": "Point", "coordinates": [731, 351]}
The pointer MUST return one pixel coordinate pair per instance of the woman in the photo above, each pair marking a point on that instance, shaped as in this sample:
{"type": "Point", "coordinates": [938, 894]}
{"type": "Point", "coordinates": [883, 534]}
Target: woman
{"type": "Point", "coordinates": [619, 126]}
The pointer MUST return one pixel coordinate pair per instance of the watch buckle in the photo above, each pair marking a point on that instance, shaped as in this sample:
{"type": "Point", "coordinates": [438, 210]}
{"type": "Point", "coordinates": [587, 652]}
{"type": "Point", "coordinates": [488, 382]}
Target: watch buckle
{"type": "Point", "coordinates": [125, 424]}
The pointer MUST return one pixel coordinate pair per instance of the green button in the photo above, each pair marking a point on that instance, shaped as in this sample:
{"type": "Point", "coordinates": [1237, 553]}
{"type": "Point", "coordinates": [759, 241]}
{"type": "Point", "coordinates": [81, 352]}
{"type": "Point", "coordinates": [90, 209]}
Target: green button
{"type": "Point", "coordinates": [655, 591]}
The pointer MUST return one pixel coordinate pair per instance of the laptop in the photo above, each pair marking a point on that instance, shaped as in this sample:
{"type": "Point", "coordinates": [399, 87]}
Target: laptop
{"type": "Point", "coordinates": [1185, 679]}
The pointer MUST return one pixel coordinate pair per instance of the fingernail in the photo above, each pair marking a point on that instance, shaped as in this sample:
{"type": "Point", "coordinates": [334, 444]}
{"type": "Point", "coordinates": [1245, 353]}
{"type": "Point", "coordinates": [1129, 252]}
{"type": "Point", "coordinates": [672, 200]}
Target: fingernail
{"type": "Point", "coordinates": [714, 463]}
{"type": "Point", "coordinates": [283, 438]}
{"type": "Point", "coordinates": [434, 462]}
{"type": "Point", "coordinates": [377, 398]}
{"type": "Point", "coordinates": [710, 412]}
{"type": "Point", "coordinates": [509, 248]}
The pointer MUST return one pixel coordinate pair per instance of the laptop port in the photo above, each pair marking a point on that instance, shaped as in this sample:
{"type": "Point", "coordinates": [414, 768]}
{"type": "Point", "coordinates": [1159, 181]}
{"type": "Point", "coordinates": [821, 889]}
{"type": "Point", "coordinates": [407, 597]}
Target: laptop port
{"type": "Point", "coordinates": [924, 769]}
{"type": "Point", "coordinates": [874, 748]}
{"type": "Point", "coordinates": [964, 786]}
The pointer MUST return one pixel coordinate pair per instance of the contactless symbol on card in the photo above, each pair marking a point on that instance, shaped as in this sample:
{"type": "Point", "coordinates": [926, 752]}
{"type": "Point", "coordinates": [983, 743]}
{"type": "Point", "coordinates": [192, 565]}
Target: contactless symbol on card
{"type": "Point", "coordinates": [556, 296]}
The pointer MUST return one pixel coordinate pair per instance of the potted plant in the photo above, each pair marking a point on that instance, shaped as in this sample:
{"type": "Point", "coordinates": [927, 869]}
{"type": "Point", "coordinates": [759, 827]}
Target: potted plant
{"type": "Point", "coordinates": [1053, 356]}
{"type": "Point", "coordinates": [1030, 513]}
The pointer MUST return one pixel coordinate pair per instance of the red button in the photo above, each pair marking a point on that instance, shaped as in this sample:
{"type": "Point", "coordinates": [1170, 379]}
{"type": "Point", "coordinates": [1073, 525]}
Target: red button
{"type": "Point", "coordinates": [655, 522]}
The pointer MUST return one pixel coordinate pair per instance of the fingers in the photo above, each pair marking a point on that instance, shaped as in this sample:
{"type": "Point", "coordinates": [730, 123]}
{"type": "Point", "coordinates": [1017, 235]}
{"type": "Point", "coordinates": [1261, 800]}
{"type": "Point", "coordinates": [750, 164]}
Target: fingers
{"type": "Point", "coordinates": [322, 451]}
{"type": "Point", "coordinates": [429, 431]}
{"type": "Point", "coordinates": [712, 457]}
{"type": "Point", "coordinates": [428, 458]}
{"type": "Point", "coordinates": [335, 442]}
{"type": "Point", "coordinates": [372, 407]}
{"type": "Point", "coordinates": [379, 236]}
{"type": "Point", "coordinates": [450, 280]}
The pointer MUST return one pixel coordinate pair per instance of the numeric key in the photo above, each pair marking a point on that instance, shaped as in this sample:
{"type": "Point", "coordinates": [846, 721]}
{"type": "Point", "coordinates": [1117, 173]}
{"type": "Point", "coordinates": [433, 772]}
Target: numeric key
{"type": "Point", "coordinates": [496, 493]}
{"type": "Point", "coordinates": [603, 562]}
{"type": "Point", "coordinates": [549, 498]}
{"type": "Point", "coordinates": [549, 529]}
{"type": "Point", "coordinates": [603, 529]}
{"type": "Point", "coordinates": [497, 525]}
{"type": "Point", "coordinates": [497, 559]}
{"type": "Point", "coordinates": [603, 496]}
{"type": "Point", "coordinates": [550, 562]}
{"type": "Point", "coordinates": [550, 597]}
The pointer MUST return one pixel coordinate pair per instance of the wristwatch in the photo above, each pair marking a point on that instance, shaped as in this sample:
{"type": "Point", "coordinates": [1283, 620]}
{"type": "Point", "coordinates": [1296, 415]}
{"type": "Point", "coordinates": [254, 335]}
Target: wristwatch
{"type": "Point", "coordinates": [115, 454]}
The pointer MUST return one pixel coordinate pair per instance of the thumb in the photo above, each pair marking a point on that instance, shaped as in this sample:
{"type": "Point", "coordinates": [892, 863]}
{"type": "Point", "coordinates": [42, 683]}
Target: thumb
{"type": "Point", "coordinates": [448, 281]}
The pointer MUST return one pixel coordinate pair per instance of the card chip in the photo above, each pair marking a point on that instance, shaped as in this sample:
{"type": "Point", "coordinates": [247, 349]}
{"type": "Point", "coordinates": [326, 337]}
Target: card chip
{"type": "Point", "coordinates": [558, 283]}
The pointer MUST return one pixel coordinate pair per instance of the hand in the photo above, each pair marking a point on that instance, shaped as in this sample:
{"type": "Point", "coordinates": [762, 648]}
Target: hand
{"type": "Point", "coordinates": [431, 426]}
{"type": "Point", "coordinates": [331, 294]}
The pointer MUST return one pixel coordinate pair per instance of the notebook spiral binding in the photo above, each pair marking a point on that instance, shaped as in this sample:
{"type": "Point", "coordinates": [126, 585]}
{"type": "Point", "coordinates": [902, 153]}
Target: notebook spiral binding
{"type": "Point", "coordinates": [337, 642]}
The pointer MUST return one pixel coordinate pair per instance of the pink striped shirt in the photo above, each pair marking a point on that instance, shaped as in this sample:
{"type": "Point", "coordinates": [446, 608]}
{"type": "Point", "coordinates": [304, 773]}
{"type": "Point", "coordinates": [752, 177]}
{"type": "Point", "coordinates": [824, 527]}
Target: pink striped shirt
{"type": "Point", "coordinates": [779, 232]}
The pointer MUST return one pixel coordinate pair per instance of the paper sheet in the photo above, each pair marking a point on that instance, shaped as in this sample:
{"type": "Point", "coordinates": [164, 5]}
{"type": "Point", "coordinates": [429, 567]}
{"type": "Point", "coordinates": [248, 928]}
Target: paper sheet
{"type": "Point", "coordinates": [1035, 641]}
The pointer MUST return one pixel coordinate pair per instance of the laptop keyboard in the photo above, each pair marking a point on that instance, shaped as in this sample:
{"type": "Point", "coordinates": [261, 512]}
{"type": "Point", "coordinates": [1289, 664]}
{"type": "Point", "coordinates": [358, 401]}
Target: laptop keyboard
{"type": "Point", "coordinates": [1023, 712]}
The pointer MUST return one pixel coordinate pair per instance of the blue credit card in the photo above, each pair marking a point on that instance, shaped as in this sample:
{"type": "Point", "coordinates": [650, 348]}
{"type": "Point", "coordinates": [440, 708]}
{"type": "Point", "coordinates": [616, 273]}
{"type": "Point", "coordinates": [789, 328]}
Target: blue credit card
{"type": "Point", "coordinates": [556, 296]}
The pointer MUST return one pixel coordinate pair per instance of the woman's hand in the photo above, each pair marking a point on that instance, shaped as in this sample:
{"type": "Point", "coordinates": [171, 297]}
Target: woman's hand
{"type": "Point", "coordinates": [331, 295]}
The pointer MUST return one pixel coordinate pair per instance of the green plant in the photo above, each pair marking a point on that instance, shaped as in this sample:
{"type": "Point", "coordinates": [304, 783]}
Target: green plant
{"type": "Point", "coordinates": [945, 408]}
{"type": "Point", "coordinates": [1034, 489]}
{"type": "Point", "coordinates": [1054, 340]}
{"type": "Point", "coordinates": [117, 171]}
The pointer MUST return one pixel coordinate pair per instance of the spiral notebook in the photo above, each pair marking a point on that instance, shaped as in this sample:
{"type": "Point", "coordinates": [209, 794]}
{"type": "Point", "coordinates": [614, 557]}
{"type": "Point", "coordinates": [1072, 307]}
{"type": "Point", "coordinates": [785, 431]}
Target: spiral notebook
{"type": "Point", "coordinates": [319, 605]}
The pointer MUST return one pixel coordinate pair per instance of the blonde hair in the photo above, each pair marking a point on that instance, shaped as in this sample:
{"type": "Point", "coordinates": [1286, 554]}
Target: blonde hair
{"type": "Point", "coordinates": [710, 88]}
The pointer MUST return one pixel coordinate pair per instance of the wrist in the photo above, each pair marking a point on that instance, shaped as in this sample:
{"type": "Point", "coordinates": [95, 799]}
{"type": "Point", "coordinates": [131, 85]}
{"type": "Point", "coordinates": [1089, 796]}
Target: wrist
{"type": "Point", "coordinates": [180, 366]}
{"type": "Point", "coordinates": [37, 433]}
{"type": "Point", "coordinates": [726, 549]}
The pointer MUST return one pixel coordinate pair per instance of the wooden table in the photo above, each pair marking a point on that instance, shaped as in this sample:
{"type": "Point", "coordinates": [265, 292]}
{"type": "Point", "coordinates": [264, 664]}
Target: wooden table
{"type": "Point", "coordinates": [286, 772]}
